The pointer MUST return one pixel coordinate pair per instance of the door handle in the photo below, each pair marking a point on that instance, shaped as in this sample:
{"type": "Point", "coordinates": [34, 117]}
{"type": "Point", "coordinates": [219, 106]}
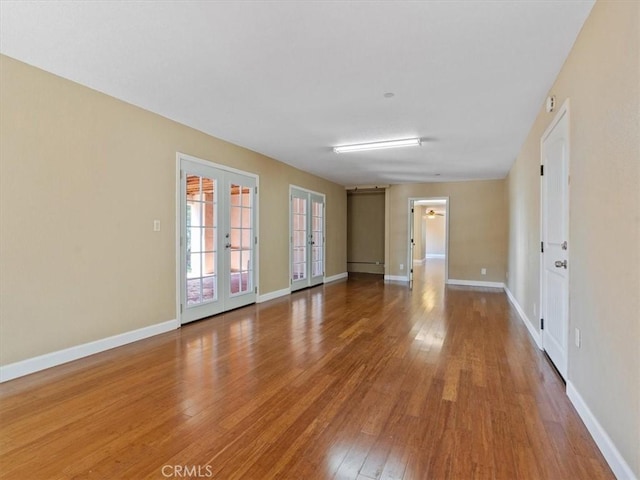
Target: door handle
{"type": "Point", "coordinates": [561, 264]}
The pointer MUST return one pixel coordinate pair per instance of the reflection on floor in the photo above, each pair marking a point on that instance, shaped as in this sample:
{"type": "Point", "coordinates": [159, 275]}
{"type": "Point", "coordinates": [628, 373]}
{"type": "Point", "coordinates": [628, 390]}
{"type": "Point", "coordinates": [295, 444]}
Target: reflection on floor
{"type": "Point", "coordinates": [358, 379]}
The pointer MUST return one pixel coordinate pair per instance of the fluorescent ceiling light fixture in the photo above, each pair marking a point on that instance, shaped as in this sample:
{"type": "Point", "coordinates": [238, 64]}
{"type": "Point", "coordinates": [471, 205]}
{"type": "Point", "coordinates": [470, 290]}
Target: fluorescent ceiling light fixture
{"type": "Point", "coordinates": [407, 142]}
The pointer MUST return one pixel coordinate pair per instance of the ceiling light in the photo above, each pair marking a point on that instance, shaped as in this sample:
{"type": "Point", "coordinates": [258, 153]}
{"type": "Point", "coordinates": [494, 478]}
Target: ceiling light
{"type": "Point", "coordinates": [408, 142]}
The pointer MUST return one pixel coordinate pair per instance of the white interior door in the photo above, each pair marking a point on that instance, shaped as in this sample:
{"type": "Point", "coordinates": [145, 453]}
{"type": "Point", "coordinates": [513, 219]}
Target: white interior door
{"type": "Point", "coordinates": [307, 238]}
{"type": "Point", "coordinates": [555, 242]}
{"type": "Point", "coordinates": [217, 240]}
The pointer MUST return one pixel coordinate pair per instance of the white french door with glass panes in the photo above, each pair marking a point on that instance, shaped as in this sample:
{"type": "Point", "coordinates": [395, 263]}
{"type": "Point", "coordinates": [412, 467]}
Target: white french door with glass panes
{"type": "Point", "coordinates": [307, 238]}
{"type": "Point", "coordinates": [217, 244]}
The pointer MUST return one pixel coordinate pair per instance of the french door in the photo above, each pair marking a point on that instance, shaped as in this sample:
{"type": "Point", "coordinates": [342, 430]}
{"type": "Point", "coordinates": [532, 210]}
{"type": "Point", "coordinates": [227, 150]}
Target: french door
{"type": "Point", "coordinates": [217, 239]}
{"type": "Point", "coordinates": [307, 238]}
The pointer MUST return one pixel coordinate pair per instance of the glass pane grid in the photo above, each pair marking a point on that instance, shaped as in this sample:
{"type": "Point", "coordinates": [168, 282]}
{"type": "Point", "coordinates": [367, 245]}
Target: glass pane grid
{"type": "Point", "coordinates": [201, 282]}
{"type": "Point", "coordinates": [241, 236]}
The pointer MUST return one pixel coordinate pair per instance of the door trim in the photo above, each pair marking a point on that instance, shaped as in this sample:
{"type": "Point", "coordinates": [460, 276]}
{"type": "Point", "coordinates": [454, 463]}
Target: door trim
{"type": "Point", "coordinates": [183, 156]}
{"type": "Point", "coordinates": [563, 111]}
{"type": "Point", "coordinates": [410, 218]}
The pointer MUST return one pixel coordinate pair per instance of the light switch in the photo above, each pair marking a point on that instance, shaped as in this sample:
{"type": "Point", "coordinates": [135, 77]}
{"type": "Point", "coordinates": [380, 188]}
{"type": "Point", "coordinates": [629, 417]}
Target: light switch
{"type": "Point", "coordinates": [156, 225]}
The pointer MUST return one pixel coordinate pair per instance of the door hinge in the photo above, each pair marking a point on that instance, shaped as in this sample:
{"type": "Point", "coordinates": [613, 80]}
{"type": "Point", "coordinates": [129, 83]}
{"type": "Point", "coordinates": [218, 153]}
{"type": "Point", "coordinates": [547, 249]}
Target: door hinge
{"type": "Point", "coordinates": [542, 324]}
{"type": "Point", "coordinates": [541, 170]}
{"type": "Point", "coordinates": [256, 238]}
{"type": "Point", "coordinates": [412, 270]}
{"type": "Point", "coordinates": [256, 290]}
{"type": "Point", "coordinates": [541, 247]}
{"type": "Point", "coordinates": [412, 210]}
{"type": "Point", "coordinates": [180, 308]}
{"type": "Point", "coordinates": [291, 281]}
{"type": "Point", "coordinates": [256, 190]}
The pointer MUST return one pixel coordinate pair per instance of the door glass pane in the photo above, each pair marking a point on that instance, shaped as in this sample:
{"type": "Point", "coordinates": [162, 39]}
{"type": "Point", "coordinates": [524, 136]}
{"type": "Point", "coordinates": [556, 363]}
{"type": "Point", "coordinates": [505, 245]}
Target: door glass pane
{"type": "Point", "coordinates": [200, 239]}
{"type": "Point", "coordinates": [236, 237]}
{"type": "Point", "coordinates": [208, 263]}
{"type": "Point", "coordinates": [246, 237]}
{"type": "Point", "coordinates": [317, 236]}
{"type": "Point", "coordinates": [235, 283]}
{"type": "Point", "coordinates": [194, 293]}
{"type": "Point", "coordinates": [235, 199]}
{"type": "Point", "coordinates": [235, 260]}
{"type": "Point", "coordinates": [208, 288]}
{"type": "Point", "coordinates": [300, 238]}
{"type": "Point", "coordinates": [209, 239]}
{"type": "Point", "coordinates": [193, 260]}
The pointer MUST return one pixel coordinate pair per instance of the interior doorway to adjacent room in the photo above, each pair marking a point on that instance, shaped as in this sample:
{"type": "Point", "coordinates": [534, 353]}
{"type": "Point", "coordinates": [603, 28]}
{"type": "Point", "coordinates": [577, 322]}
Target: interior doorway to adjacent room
{"type": "Point", "coordinates": [428, 234]}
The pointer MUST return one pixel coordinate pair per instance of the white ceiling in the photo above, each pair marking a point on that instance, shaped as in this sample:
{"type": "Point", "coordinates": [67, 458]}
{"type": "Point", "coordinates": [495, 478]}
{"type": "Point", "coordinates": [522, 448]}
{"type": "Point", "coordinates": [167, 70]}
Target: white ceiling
{"type": "Point", "coordinates": [293, 79]}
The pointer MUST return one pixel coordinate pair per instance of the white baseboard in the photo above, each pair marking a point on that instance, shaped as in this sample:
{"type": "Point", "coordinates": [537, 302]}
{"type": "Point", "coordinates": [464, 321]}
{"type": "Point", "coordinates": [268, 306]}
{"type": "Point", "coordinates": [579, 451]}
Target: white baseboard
{"type": "Point", "coordinates": [532, 330]}
{"type": "Point", "coordinates": [620, 467]}
{"type": "Point", "coordinates": [396, 278]}
{"type": "Point", "coordinates": [335, 278]}
{"type": "Point", "coordinates": [35, 364]}
{"type": "Point", "coordinates": [435, 255]}
{"type": "Point", "coordinates": [273, 295]}
{"type": "Point", "coordinates": [475, 283]}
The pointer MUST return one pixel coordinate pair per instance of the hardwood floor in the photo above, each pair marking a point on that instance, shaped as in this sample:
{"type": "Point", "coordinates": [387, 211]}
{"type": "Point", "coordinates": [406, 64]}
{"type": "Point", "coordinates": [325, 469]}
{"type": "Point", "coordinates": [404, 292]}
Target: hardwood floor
{"type": "Point", "coordinates": [353, 380]}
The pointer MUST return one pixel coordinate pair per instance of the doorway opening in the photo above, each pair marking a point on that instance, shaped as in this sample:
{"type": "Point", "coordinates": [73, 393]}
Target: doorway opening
{"type": "Point", "coordinates": [428, 236]}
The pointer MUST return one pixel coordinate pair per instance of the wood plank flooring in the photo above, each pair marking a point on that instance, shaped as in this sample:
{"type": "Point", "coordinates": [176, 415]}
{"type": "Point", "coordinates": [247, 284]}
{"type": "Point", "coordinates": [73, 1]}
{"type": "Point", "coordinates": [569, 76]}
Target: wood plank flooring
{"type": "Point", "coordinates": [352, 380]}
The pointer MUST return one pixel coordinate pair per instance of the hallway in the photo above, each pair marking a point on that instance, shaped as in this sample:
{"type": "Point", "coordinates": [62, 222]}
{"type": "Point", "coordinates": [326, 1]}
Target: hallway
{"type": "Point", "coordinates": [355, 379]}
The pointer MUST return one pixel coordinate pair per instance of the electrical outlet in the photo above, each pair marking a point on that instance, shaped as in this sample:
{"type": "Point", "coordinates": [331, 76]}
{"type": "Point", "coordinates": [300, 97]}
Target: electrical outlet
{"type": "Point", "coordinates": [483, 271]}
{"type": "Point", "coordinates": [402, 266]}
{"type": "Point", "coordinates": [578, 338]}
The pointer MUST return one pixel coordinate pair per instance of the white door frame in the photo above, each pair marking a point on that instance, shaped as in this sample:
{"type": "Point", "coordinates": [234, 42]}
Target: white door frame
{"type": "Point", "coordinates": [563, 112]}
{"type": "Point", "coordinates": [410, 219]}
{"type": "Point", "coordinates": [178, 228]}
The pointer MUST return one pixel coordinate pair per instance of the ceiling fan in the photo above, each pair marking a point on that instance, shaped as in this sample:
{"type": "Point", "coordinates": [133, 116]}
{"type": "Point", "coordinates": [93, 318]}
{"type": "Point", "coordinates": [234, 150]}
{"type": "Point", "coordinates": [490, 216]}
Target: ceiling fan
{"type": "Point", "coordinates": [432, 214]}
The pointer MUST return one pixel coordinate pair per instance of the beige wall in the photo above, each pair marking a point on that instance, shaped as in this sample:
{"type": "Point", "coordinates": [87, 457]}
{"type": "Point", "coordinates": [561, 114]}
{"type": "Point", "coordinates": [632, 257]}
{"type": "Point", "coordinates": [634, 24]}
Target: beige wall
{"type": "Point", "coordinates": [474, 241]}
{"type": "Point", "coordinates": [82, 177]}
{"type": "Point", "coordinates": [601, 79]}
{"type": "Point", "coordinates": [365, 232]}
